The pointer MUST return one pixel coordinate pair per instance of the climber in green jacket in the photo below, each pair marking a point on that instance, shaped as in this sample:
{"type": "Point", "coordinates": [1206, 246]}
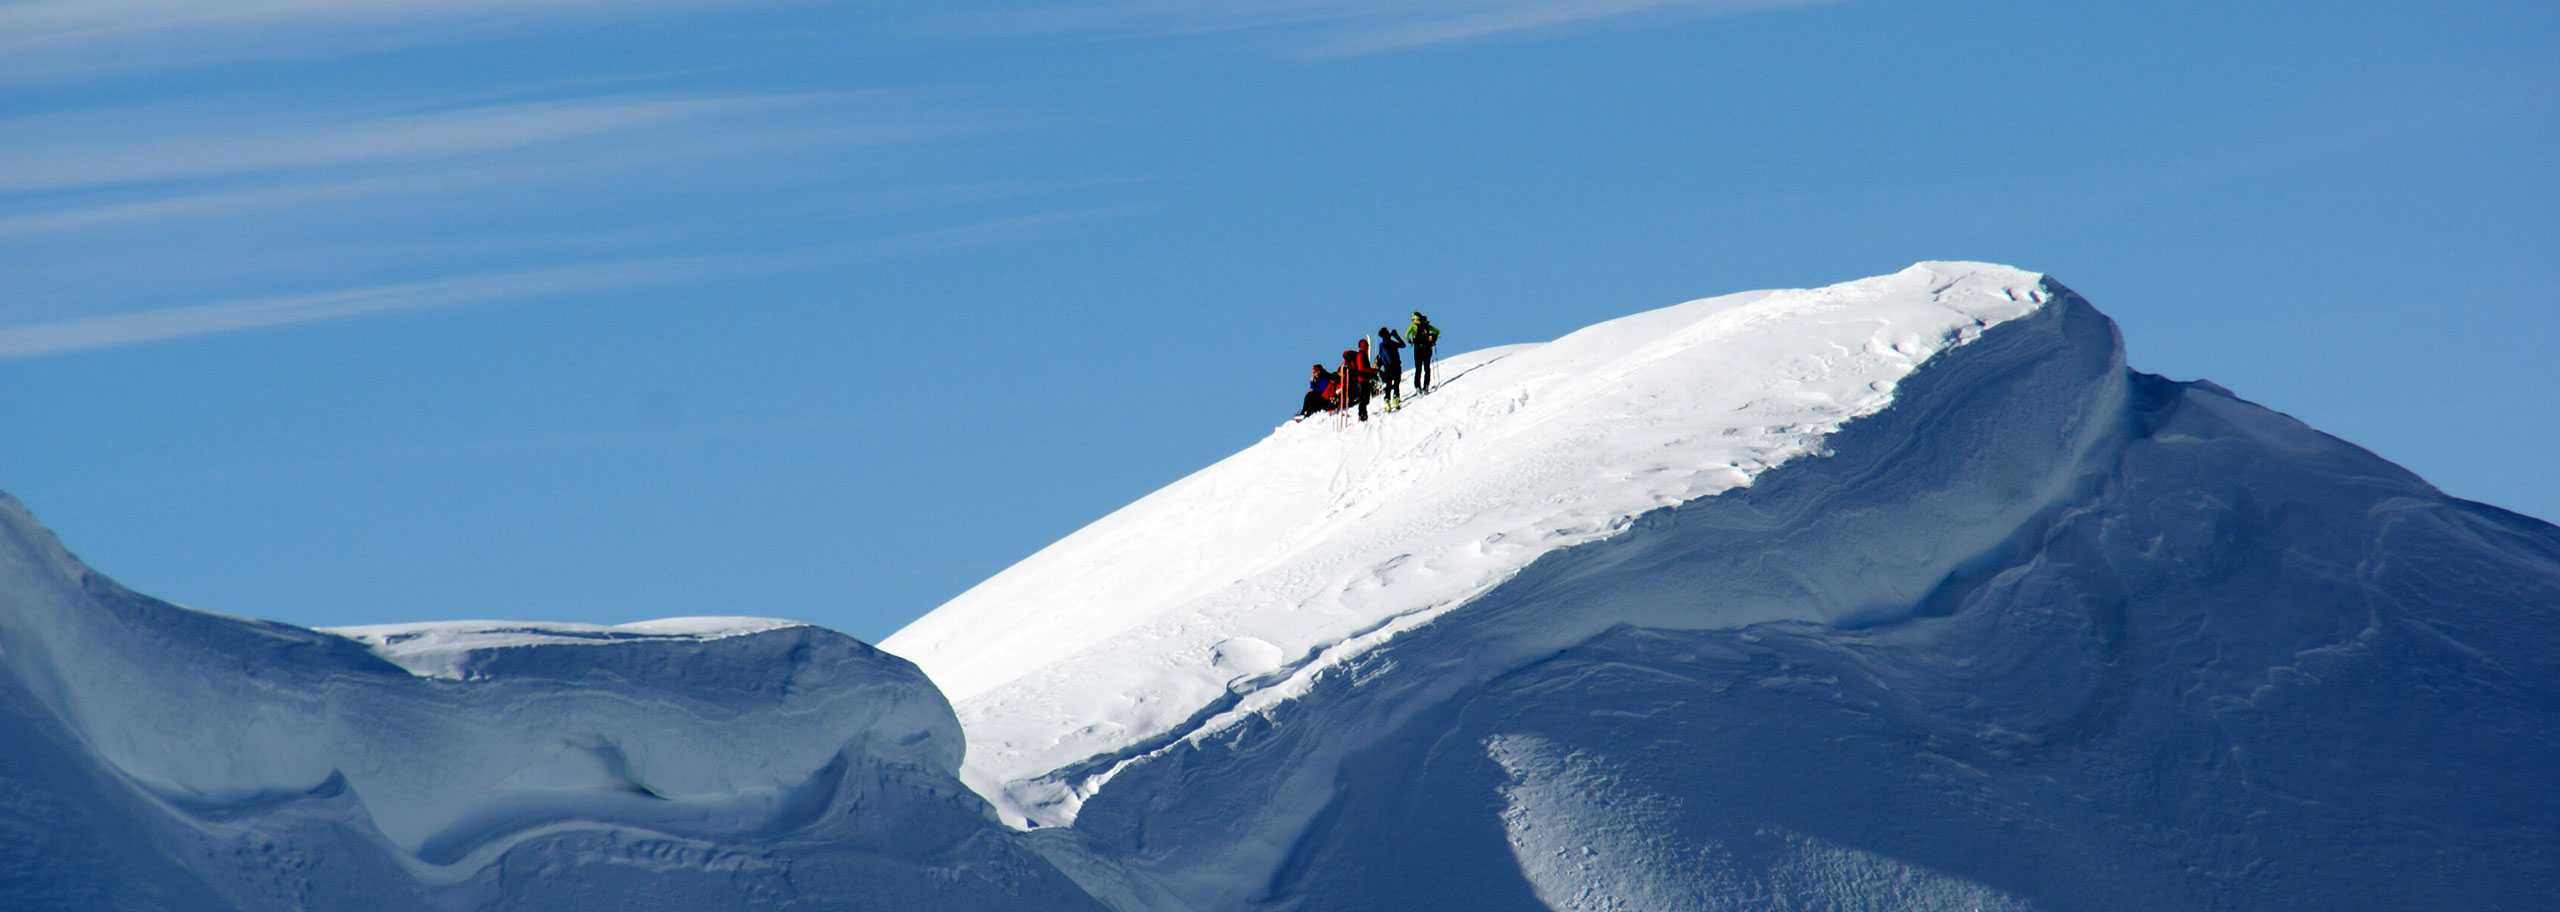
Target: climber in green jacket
{"type": "Point", "coordinates": [1421, 335]}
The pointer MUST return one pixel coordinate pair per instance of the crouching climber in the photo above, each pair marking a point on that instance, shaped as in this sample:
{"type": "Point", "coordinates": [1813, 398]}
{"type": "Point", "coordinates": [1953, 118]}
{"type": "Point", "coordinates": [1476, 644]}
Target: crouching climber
{"type": "Point", "coordinates": [1320, 390]}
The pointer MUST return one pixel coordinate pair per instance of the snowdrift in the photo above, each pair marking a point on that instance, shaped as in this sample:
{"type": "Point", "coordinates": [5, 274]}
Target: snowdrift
{"type": "Point", "coordinates": [167, 758]}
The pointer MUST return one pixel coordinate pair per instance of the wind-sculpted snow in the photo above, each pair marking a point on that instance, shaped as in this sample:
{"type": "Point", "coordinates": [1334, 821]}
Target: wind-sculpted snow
{"type": "Point", "coordinates": [1229, 590]}
{"type": "Point", "coordinates": [674, 764]}
{"type": "Point", "coordinates": [1902, 594]}
{"type": "Point", "coordinates": [2042, 634]}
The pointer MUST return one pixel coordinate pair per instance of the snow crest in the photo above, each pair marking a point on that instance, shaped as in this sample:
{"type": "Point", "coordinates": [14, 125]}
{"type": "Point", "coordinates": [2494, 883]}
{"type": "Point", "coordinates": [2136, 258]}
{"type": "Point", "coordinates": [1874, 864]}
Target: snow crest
{"type": "Point", "coordinates": [2046, 633]}
{"type": "Point", "coordinates": [1228, 591]}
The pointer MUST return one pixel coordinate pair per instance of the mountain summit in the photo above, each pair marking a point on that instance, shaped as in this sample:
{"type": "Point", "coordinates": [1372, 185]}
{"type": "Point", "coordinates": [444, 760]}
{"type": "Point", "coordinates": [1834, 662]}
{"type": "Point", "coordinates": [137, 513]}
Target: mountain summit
{"type": "Point", "coordinates": [1902, 593]}
{"type": "Point", "coordinates": [1211, 599]}
{"type": "Point", "coordinates": [1898, 594]}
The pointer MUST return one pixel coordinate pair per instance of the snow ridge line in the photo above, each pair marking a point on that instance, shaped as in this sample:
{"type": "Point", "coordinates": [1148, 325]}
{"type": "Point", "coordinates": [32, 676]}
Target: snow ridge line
{"type": "Point", "coordinates": [1072, 664]}
{"type": "Point", "coordinates": [2078, 475]}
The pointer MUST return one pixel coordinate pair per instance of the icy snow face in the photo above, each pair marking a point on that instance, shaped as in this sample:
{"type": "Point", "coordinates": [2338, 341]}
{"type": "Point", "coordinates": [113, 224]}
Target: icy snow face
{"type": "Point", "coordinates": [686, 763]}
{"type": "Point", "coordinates": [1232, 588]}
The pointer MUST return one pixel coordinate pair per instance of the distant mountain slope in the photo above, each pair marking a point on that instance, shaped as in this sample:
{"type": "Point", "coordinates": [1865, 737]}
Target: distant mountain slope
{"type": "Point", "coordinates": [166, 758]}
{"type": "Point", "coordinates": [2043, 633]}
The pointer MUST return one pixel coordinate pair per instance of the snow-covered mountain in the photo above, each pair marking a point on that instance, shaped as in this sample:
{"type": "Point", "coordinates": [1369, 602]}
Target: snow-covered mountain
{"type": "Point", "coordinates": [1232, 590]}
{"type": "Point", "coordinates": [1903, 593]}
{"type": "Point", "coordinates": [1899, 594]}
{"type": "Point", "coordinates": [162, 758]}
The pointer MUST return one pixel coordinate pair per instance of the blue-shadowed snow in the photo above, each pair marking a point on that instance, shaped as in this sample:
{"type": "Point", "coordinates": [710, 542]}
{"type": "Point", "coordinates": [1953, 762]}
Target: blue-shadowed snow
{"type": "Point", "coordinates": [683, 763]}
{"type": "Point", "coordinates": [1900, 594]}
{"type": "Point", "coordinates": [2044, 634]}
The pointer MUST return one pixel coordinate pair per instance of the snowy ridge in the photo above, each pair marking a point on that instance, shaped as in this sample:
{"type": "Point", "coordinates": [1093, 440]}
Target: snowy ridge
{"type": "Point", "coordinates": [426, 759]}
{"type": "Point", "coordinates": [1232, 589]}
{"type": "Point", "coordinates": [2045, 634]}
{"type": "Point", "coordinates": [1905, 593]}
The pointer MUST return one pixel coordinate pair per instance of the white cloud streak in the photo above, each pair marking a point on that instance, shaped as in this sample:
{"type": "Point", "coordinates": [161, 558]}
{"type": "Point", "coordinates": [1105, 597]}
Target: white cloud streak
{"type": "Point", "coordinates": [58, 165]}
{"type": "Point", "coordinates": [31, 25]}
{"type": "Point", "coordinates": [1354, 27]}
{"type": "Point", "coordinates": [1499, 18]}
{"type": "Point", "coordinates": [116, 330]}
{"type": "Point", "coordinates": [144, 165]}
{"type": "Point", "coordinates": [225, 202]}
{"type": "Point", "coordinates": [61, 336]}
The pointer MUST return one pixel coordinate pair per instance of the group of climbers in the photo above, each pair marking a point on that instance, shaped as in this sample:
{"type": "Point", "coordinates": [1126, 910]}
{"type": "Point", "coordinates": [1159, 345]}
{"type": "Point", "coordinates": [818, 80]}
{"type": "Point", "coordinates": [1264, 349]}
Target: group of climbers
{"type": "Point", "coordinates": [1356, 381]}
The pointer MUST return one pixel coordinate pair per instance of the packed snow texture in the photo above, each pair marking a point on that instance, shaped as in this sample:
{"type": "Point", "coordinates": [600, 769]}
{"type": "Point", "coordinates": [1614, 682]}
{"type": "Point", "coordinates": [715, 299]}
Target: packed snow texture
{"type": "Point", "coordinates": [1900, 594]}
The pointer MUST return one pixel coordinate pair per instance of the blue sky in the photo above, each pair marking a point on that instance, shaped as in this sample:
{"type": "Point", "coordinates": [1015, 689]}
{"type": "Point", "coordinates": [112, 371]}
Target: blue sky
{"type": "Point", "coordinates": [383, 310]}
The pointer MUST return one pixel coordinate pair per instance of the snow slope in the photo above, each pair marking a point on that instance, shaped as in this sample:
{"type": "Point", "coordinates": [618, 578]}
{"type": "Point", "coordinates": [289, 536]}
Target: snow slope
{"type": "Point", "coordinates": [1231, 589]}
{"type": "Point", "coordinates": [2036, 632]}
{"type": "Point", "coordinates": [209, 762]}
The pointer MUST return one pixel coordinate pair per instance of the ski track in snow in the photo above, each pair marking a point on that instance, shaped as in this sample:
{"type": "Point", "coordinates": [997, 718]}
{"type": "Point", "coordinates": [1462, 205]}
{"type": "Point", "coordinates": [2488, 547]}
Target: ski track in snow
{"type": "Point", "coordinates": [1230, 590]}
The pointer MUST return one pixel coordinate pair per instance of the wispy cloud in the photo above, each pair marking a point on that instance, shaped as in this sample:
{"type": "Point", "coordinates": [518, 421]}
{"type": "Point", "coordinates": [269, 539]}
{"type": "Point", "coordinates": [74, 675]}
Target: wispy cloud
{"type": "Point", "coordinates": [133, 328]}
{"type": "Point", "coordinates": [82, 163]}
{"type": "Point", "coordinates": [124, 167]}
{"type": "Point", "coordinates": [1352, 27]}
{"type": "Point", "coordinates": [57, 337]}
{"type": "Point", "coordinates": [1462, 22]}
{"type": "Point", "coordinates": [44, 24]}
{"type": "Point", "coordinates": [228, 202]}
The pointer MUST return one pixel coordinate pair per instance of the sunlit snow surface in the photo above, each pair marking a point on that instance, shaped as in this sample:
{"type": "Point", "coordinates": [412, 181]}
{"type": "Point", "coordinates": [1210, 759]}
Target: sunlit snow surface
{"type": "Point", "coordinates": [1230, 589]}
